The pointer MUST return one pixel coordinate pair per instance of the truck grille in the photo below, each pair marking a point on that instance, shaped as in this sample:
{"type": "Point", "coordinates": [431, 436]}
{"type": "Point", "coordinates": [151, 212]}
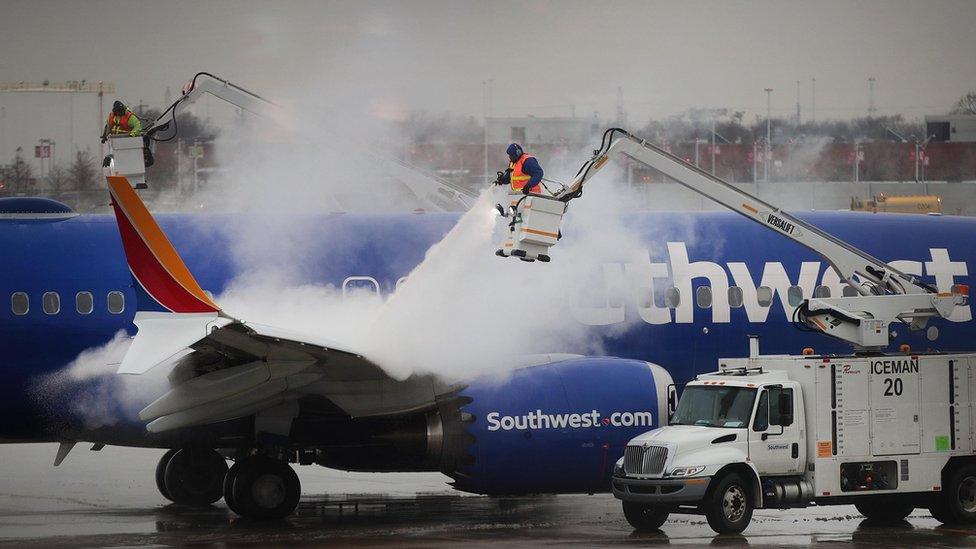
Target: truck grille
{"type": "Point", "coordinates": [640, 460]}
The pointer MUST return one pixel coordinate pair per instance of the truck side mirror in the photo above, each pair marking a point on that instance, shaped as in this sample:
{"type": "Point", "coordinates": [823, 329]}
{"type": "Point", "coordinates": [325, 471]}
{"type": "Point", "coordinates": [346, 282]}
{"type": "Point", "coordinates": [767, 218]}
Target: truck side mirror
{"type": "Point", "coordinates": [785, 409]}
{"type": "Point", "coordinates": [672, 401]}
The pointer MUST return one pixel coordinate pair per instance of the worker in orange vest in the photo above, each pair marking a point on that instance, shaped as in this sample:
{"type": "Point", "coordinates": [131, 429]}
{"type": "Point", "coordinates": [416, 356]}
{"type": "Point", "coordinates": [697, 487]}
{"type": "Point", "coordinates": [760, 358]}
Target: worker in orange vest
{"type": "Point", "coordinates": [121, 121]}
{"type": "Point", "coordinates": [524, 174]}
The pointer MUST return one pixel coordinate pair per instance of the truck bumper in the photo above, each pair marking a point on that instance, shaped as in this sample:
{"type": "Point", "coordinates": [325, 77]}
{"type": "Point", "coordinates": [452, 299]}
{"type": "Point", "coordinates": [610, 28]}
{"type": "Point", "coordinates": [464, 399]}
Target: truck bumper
{"type": "Point", "coordinates": [664, 491]}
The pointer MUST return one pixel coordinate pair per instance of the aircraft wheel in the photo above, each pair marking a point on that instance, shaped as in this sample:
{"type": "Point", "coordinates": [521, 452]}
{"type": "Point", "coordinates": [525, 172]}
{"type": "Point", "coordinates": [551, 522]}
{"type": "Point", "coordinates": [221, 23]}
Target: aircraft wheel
{"type": "Point", "coordinates": [228, 487]}
{"type": "Point", "coordinates": [161, 473]}
{"type": "Point", "coordinates": [194, 476]}
{"type": "Point", "coordinates": [265, 488]}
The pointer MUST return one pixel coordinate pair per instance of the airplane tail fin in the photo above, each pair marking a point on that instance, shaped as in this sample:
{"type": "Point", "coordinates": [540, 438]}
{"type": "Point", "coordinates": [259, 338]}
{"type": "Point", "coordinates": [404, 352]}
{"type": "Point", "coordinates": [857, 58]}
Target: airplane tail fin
{"type": "Point", "coordinates": [162, 281]}
{"type": "Point", "coordinates": [172, 310]}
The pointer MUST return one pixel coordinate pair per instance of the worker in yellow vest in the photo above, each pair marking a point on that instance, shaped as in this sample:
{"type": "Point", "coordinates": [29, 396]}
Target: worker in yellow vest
{"type": "Point", "coordinates": [524, 174]}
{"type": "Point", "coordinates": [121, 121]}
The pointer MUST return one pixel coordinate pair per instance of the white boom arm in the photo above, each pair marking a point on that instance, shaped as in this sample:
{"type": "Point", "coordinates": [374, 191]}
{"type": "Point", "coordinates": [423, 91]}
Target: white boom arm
{"type": "Point", "coordinates": [221, 89]}
{"type": "Point", "coordinates": [434, 192]}
{"type": "Point", "coordinates": [887, 294]}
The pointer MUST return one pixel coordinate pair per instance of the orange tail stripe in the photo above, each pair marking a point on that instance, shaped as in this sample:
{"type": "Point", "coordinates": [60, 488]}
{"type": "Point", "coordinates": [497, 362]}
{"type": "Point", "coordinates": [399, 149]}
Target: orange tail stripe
{"type": "Point", "coordinates": [155, 239]}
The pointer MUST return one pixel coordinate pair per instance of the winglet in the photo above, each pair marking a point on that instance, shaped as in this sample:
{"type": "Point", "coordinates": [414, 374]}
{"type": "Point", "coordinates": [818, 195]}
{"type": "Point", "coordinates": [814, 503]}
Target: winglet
{"type": "Point", "coordinates": [162, 281]}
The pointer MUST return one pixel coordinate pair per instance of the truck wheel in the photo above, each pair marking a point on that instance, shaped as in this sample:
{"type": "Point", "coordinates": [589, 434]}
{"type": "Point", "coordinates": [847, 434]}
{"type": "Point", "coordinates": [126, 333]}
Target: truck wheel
{"type": "Point", "coordinates": [960, 496]}
{"type": "Point", "coordinates": [728, 507]}
{"type": "Point", "coordinates": [884, 511]}
{"type": "Point", "coordinates": [644, 516]}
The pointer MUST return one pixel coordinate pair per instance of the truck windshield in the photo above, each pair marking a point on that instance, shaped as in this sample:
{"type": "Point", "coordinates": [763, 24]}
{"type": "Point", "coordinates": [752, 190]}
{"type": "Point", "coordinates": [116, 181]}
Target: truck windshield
{"type": "Point", "coordinates": [711, 406]}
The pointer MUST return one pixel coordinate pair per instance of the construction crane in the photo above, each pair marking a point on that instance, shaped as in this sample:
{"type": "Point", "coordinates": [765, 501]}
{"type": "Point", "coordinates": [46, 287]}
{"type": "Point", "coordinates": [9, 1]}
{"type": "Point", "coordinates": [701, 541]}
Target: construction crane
{"type": "Point", "coordinates": [886, 294]}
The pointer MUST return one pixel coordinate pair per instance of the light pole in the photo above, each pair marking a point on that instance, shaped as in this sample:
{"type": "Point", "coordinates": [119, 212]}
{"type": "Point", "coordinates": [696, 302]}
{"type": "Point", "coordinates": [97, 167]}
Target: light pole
{"type": "Point", "coordinates": [486, 86]}
{"type": "Point", "coordinates": [767, 156]}
{"type": "Point", "coordinates": [713, 145]}
{"type": "Point", "coordinates": [484, 122]}
{"type": "Point", "coordinates": [3, 134]}
{"type": "Point", "coordinates": [715, 113]}
{"type": "Point", "coordinates": [919, 150]}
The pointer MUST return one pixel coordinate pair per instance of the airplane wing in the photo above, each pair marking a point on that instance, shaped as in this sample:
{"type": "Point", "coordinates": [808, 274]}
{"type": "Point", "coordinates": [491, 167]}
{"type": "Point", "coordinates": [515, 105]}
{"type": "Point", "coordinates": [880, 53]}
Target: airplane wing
{"type": "Point", "coordinates": [225, 368]}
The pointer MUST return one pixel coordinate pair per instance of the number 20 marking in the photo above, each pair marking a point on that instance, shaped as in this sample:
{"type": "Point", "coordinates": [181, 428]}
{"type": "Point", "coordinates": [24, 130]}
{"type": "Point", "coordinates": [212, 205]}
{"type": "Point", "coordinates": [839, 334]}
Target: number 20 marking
{"type": "Point", "coordinates": [893, 387]}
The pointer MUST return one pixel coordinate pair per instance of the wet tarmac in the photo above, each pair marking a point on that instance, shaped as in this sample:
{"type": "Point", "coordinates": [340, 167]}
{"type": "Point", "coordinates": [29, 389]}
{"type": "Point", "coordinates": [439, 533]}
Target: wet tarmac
{"type": "Point", "coordinates": [107, 499]}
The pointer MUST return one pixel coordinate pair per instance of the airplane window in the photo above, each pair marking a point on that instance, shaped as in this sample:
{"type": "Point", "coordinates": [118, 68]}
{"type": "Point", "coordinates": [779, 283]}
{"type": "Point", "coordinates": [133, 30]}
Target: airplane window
{"type": "Point", "coordinates": [794, 295]}
{"type": "Point", "coordinates": [19, 303]}
{"type": "Point", "coordinates": [51, 303]}
{"type": "Point", "coordinates": [704, 297]}
{"type": "Point", "coordinates": [735, 297]}
{"type": "Point", "coordinates": [84, 303]}
{"type": "Point", "coordinates": [764, 295]}
{"type": "Point", "coordinates": [672, 298]}
{"type": "Point", "coordinates": [360, 282]}
{"type": "Point", "coordinates": [116, 302]}
{"type": "Point", "coordinates": [821, 291]}
{"type": "Point", "coordinates": [850, 291]}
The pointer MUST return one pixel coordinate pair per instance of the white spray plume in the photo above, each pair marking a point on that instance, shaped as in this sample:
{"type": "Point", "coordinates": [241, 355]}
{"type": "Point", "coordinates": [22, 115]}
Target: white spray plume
{"type": "Point", "coordinates": [93, 392]}
{"type": "Point", "coordinates": [462, 311]}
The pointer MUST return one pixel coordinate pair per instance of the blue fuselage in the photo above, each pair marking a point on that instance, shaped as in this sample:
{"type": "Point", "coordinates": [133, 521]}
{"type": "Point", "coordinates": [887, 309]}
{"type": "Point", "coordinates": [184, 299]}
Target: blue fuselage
{"type": "Point", "coordinates": [688, 251]}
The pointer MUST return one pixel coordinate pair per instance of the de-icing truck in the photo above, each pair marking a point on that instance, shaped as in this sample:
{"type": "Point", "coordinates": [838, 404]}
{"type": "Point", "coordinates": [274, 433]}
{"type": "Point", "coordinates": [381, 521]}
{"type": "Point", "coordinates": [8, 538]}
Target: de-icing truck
{"type": "Point", "coordinates": [886, 432]}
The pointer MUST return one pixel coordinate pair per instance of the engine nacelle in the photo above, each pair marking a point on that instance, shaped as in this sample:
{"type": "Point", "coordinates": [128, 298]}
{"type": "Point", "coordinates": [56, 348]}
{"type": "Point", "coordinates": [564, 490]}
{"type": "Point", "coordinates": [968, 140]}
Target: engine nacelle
{"type": "Point", "coordinates": [556, 427]}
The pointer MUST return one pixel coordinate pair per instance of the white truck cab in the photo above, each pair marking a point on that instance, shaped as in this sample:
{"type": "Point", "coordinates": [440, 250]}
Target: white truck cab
{"type": "Point", "coordinates": [888, 433]}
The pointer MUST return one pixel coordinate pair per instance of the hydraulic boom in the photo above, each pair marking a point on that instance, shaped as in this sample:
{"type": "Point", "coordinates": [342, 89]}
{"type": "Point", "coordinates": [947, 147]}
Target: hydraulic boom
{"type": "Point", "coordinates": [885, 295]}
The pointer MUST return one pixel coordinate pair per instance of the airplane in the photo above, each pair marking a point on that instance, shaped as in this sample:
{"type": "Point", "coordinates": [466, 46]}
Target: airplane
{"type": "Point", "coordinates": [710, 279]}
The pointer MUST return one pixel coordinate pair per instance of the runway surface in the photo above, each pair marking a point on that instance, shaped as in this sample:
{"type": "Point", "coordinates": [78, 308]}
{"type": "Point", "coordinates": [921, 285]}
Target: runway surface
{"type": "Point", "coordinates": [108, 499]}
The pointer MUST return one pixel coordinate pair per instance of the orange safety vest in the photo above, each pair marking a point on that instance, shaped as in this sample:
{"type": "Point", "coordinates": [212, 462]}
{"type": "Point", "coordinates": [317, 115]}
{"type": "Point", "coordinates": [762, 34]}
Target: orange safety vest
{"type": "Point", "coordinates": [518, 178]}
{"type": "Point", "coordinates": [117, 125]}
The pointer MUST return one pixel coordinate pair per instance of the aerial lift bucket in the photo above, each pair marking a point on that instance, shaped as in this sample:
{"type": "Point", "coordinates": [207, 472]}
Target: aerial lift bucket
{"type": "Point", "coordinates": [126, 158]}
{"type": "Point", "coordinates": [534, 227]}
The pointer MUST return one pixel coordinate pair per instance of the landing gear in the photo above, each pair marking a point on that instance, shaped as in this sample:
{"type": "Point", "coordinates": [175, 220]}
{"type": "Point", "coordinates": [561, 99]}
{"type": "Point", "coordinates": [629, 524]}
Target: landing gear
{"type": "Point", "coordinates": [191, 476]}
{"type": "Point", "coordinates": [262, 488]}
{"type": "Point", "coordinates": [161, 473]}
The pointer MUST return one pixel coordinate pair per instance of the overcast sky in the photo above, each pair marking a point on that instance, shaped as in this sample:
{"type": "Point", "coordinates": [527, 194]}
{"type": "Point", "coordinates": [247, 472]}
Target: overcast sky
{"type": "Point", "coordinates": [544, 57]}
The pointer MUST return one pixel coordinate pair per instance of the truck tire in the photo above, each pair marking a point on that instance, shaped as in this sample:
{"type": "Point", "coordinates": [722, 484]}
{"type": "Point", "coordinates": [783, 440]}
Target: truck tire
{"type": "Point", "coordinates": [959, 497]}
{"type": "Point", "coordinates": [728, 507]}
{"type": "Point", "coordinates": [644, 516]}
{"type": "Point", "coordinates": [884, 511]}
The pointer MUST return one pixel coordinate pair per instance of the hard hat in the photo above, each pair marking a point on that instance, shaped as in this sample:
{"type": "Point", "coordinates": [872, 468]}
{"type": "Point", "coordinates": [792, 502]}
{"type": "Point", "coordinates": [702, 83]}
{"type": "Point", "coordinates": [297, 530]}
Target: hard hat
{"type": "Point", "coordinates": [514, 151]}
{"type": "Point", "coordinates": [118, 108]}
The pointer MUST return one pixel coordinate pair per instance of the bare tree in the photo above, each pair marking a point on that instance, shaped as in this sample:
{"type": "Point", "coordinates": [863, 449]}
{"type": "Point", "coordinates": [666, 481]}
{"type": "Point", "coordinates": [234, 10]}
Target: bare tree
{"type": "Point", "coordinates": [18, 175]}
{"type": "Point", "coordinates": [965, 105]}
{"type": "Point", "coordinates": [58, 178]}
{"type": "Point", "coordinates": [83, 173]}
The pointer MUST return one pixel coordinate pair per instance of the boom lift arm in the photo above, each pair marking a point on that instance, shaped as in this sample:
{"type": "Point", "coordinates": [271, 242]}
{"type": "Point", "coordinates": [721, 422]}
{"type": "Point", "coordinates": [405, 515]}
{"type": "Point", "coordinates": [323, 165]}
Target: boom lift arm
{"type": "Point", "coordinates": [886, 294]}
{"type": "Point", "coordinates": [434, 192]}
{"type": "Point", "coordinates": [219, 88]}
